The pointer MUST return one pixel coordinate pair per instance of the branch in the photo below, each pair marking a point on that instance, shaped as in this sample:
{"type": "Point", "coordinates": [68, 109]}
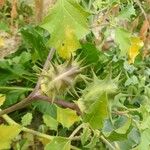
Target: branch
{"type": "Point", "coordinates": [37, 95]}
{"type": "Point", "coordinates": [107, 142]}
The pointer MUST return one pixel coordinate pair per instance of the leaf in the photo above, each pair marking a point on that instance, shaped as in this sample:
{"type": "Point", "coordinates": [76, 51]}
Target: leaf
{"type": "Point", "coordinates": [50, 122]}
{"type": "Point", "coordinates": [131, 81]}
{"type": "Point", "coordinates": [125, 126]}
{"type": "Point", "coordinates": [145, 140]}
{"type": "Point", "coordinates": [67, 23]}
{"type": "Point", "coordinates": [136, 45]}
{"type": "Point", "coordinates": [59, 143]}
{"type": "Point", "coordinates": [2, 99]}
{"type": "Point", "coordinates": [90, 53]}
{"type": "Point", "coordinates": [69, 45]}
{"type": "Point", "coordinates": [4, 26]}
{"type": "Point", "coordinates": [127, 12]}
{"type": "Point", "coordinates": [46, 108]}
{"type": "Point", "coordinates": [35, 40]}
{"type": "Point", "coordinates": [67, 117]}
{"type": "Point", "coordinates": [26, 119]}
{"type": "Point", "coordinates": [7, 134]}
{"type": "Point", "coordinates": [98, 112]}
{"type": "Point", "coordinates": [122, 38]}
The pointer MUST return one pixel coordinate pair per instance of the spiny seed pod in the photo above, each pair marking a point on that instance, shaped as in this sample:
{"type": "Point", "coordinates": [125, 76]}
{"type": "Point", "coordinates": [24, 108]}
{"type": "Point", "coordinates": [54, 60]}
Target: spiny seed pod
{"type": "Point", "coordinates": [59, 78]}
{"type": "Point", "coordinates": [94, 91]}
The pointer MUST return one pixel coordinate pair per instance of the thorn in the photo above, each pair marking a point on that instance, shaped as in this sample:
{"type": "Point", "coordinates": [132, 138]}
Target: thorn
{"type": "Point", "coordinates": [74, 91]}
{"type": "Point", "coordinates": [55, 68]}
{"type": "Point", "coordinates": [69, 63]}
{"type": "Point", "coordinates": [85, 78]}
{"type": "Point", "coordinates": [68, 91]}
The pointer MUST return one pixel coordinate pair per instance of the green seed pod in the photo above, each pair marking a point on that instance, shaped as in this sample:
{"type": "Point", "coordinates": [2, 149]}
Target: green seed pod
{"type": "Point", "coordinates": [59, 78]}
{"type": "Point", "coordinates": [94, 91]}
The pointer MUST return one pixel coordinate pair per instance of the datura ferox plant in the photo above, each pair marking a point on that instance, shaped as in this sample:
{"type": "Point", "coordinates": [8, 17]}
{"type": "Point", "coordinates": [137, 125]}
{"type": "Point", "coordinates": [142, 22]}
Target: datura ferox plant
{"type": "Point", "coordinates": [85, 71]}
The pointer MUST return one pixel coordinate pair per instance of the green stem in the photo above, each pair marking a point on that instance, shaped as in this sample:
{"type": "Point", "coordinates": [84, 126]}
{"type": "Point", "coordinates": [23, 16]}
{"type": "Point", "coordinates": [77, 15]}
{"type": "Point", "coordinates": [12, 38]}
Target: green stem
{"type": "Point", "coordinates": [74, 148]}
{"type": "Point", "coordinates": [12, 122]}
{"type": "Point", "coordinates": [76, 130]}
{"type": "Point", "coordinates": [15, 88]}
{"type": "Point", "coordinates": [107, 142]}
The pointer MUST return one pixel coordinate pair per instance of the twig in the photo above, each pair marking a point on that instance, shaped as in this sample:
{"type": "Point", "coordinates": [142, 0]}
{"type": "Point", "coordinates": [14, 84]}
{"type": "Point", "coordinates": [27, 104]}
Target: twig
{"type": "Point", "coordinates": [76, 131]}
{"type": "Point", "coordinates": [37, 95]}
{"type": "Point", "coordinates": [107, 142]}
{"type": "Point", "coordinates": [12, 122]}
{"type": "Point", "coordinates": [62, 103]}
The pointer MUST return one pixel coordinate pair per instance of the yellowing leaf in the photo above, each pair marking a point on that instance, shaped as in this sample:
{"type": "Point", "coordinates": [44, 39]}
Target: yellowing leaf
{"type": "Point", "coordinates": [67, 23]}
{"type": "Point", "coordinates": [136, 45]}
{"type": "Point", "coordinates": [69, 44]}
{"type": "Point", "coordinates": [2, 99]}
{"type": "Point", "coordinates": [66, 117]}
{"type": "Point", "coordinates": [44, 141]}
{"type": "Point", "coordinates": [1, 42]}
{"type": "Point", "coordinates": [7, 134]}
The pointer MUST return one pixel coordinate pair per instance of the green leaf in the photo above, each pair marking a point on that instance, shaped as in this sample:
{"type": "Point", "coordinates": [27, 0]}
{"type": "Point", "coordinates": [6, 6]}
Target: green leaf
{"type": "Point", "coordinates": [127, 12]}
{"type": "Point", "coordinates": [50, 122]}
{"type": "Point", "coordinates": [7, 134]}
{"type": "Point", "coordinates": [33, 39]}
{"type": "Point", "coordinates": [122, 38]}
{"type": "Point", "coordinates": [145, 140]}
{"type": "Point", "coordinates": [4, 26]}
{"type": "Point", "coordinates": [67, 117]}
{"type": "Point", "coordinates": [46, 108]}
{"type": "Point", "coordinates": [26, 119]}
{"type": "Point", "coordinates": [124, 126]}
{"type": "Point", "coordinates": [59, 143]}
{"type": "Point", "coordinates": [67, 23]}
{"type": "Point", "coordinates": [90, 53]}
{"type": "Point", "coordinates": [131, 81]}
{"type": "Point", "coordinates": [98, 112]}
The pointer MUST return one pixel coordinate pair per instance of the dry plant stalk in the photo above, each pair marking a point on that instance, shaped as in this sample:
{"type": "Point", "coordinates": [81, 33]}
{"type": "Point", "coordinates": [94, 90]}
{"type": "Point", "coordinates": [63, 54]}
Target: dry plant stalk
{"type": "Point", "coordinates": [2, 2]}
{"type": "Point", "coordinates": [39, 10]}
{"type": "Point", "coordinates": [13, 12]}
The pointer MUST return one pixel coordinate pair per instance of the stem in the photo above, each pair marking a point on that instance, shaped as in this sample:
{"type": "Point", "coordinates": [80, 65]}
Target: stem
{"type": "Point", "coordinates": [37, 133]}
{"type": "Point", "coordinates": [107, 142]}
{"type": "Point", "coordinates": [36, 94]}
{"type": "Point", "coordinates": [17, 106]}
{"type": "Point", "coordinates": [76, 131]}
{"type": "Point", "coordinates": [15, 88]}
{"type": "Point", "coordinates": [12, 122]}
{"type": "Point", "coordinates": [62, 103]}
{"type": "Point", "coordinates": [74, 148]}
